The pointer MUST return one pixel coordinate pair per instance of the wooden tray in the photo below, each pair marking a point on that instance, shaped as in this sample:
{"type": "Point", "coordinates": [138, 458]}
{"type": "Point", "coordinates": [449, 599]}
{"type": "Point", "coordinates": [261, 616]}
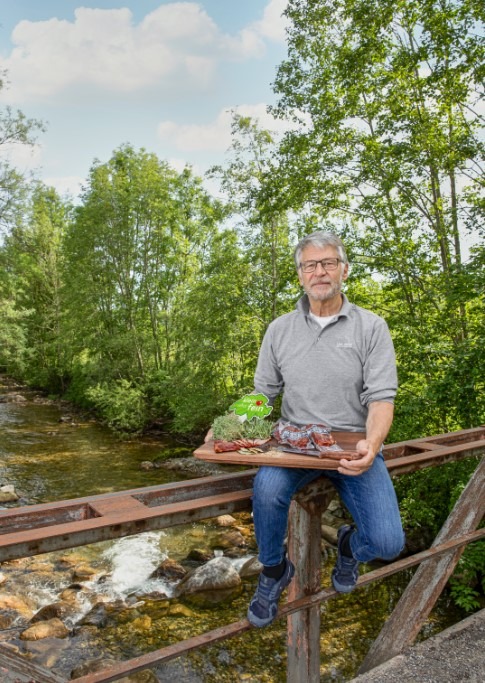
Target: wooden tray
{"type": "Point", "coordinates": [275, 458]}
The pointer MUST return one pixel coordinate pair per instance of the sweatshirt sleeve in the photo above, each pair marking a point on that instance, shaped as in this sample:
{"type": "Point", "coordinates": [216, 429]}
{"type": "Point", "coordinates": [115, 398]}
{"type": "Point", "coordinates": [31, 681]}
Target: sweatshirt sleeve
{"type": "Point", "coordinates": [379, 371]}
{"type": "Point", "coordinates": [267, 378]}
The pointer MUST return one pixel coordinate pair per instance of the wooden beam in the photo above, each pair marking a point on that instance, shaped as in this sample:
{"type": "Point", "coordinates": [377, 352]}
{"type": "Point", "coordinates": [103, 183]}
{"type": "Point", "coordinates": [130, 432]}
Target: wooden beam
{"type": "Point", "coordinates": [425, 587]}
{"type": "Point", "coordinates": [304, 546]}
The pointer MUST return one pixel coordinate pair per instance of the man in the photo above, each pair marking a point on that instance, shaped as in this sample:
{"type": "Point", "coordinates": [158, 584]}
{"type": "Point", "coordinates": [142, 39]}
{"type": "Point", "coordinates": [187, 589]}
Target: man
{"type": "Point", "coordinates": [335, 364]}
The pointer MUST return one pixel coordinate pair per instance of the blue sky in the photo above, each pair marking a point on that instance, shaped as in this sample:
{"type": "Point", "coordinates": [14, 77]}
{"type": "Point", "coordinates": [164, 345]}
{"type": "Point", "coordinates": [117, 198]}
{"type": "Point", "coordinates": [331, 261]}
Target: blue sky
{"type": "Point", "coordinates": [157, 74]}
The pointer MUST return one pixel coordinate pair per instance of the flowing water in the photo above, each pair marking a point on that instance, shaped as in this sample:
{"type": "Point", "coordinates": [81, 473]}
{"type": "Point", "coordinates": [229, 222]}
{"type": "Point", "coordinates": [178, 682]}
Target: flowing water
{"type": "Point", "coordinates": [50, 455]}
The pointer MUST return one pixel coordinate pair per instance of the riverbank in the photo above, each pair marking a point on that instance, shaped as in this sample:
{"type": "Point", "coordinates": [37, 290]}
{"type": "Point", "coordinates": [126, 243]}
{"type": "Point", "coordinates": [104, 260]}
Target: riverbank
{"type": "Point", "coordinates": [456, 654]}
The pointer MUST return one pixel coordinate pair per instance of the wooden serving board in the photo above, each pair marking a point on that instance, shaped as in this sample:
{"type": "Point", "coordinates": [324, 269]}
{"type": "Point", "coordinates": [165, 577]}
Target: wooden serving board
{"type": "Point", "coordinates": [276, 458]}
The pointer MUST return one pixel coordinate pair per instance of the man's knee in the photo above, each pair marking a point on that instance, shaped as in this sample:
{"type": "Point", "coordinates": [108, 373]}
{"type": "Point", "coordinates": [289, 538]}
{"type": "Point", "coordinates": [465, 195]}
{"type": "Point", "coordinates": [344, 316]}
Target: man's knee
{"type": "Point", "coordinates": [390, 547]}
{"type": "Point", "coordinates": [270, 490]}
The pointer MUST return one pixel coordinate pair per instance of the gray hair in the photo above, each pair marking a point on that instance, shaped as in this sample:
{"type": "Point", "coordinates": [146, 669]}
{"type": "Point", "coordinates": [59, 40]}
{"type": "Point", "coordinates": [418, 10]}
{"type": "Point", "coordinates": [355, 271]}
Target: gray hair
{"type": "Point", "coordinates": [320, 239]}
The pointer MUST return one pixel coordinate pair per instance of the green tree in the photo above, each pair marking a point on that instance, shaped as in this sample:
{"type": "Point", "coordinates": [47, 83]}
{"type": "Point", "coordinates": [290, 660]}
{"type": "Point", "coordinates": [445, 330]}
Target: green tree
{"type": "Point", "coordinates": [133, 254]}
{"type": "Point", "coordinates": [32, 255]}
{"type": "Point", "coordinates": [264, 230]}
{"type": "Point", "coordinates": [389, 150]}
{"type": "Point", "coordinates": [15, 129]}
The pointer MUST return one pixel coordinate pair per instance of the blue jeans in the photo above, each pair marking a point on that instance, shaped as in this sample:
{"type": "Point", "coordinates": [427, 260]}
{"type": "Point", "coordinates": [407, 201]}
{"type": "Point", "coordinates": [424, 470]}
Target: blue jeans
{"type": "Point", "coordinates": [369, 497]}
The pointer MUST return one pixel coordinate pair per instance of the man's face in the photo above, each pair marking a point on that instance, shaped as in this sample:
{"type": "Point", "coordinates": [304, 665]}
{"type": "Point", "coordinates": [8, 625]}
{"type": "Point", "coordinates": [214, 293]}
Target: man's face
{"type": "Point", "coordinates": [322, 285]}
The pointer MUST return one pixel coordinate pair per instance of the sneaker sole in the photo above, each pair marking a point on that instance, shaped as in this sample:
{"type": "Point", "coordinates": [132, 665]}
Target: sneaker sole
{"type": "Point", "coordinates": [342, 588]}
{"type": "Point", "coordinates": [261, 623]}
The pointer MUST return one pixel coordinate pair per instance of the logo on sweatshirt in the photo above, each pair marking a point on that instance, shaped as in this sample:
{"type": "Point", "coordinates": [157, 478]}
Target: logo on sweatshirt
{"type": "Point", "coordinates": [344, 345]}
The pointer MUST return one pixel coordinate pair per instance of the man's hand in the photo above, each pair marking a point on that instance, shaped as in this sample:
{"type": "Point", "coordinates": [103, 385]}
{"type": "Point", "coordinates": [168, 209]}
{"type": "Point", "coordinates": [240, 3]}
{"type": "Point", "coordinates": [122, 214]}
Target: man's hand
{"type": "Point", "coordinates": [208, 436]}
{"type": "Point", "coordinates": [379, 421]}
{"type": "Point", "coordinates": [355, 467]}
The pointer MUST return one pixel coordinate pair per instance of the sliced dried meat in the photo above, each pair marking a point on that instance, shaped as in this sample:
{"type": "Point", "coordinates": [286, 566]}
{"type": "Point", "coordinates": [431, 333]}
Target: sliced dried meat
{"type": "Point", "coordinates": [221, 446]}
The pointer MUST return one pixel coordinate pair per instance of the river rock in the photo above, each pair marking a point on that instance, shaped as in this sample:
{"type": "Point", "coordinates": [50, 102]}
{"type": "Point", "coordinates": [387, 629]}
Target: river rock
{"type": "Point", "coordinates": [216, 575]}
{"type": "Point", "coordinates": [69, 561]}
{"type": "Point", "coordinates": [20, 605]}
{"type": "Point", "coordinates": [141, 623]}
{"type": "Point", "coordinates": [8, 494]}
{"type": "Point", "coordinates": [83, 573]}
{"type": "Point", "coordinates": [229, 539]}
{"type": "Point", "coordinates": [335, 507]}
{"type": "Point", "coordinates": [178, 610]}
{"type": "Point", "coordinates": [12, 398]}
{"type": "Point", "coordinates": [3, 578]}
{"type": "Point", "coordinates": [170, 570]}
{"type": "Point", "coordinates": [98, 617]}
{"type": "Point", "coordinates": [252, 567]}
{"type": "Point", "coordinates": [329, 533]}
{"type": "Point", "coordinates": [71, 595]}
{"type": "Point", "coordinates": [199, 555]}
{"type": "Point", "coordinates": [52, 628]}
{"type": "Point", "coordinates": [7, 618]}
{"type": "Point", "coordinates": [225, 520]}
{"type": "Point", "coordinates": [147, 465]}
{"type": "Point", "coordinates": [193, 466]}
{"type": "Point", "coordinates": [59, 610]}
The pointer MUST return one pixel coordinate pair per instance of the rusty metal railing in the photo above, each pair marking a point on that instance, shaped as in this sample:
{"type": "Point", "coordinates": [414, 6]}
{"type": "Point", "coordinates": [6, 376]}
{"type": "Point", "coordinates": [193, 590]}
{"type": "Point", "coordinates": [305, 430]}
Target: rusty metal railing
{"type": "Point", "coordinates": [42, 528]}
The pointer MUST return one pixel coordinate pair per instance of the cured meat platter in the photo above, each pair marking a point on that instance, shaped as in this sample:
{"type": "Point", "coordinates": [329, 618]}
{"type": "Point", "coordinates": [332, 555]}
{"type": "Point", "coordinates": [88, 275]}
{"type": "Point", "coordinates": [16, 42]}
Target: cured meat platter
{"type": "Point", "coordinates": [274, 454]}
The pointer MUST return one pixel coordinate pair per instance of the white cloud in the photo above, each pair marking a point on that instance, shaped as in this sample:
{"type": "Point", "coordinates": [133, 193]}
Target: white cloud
{"type": "Point", "coordinates": [22, 157]}
{"type": "Point", "coordinates": [66, 185]}
{"type": "Point", "coordinates": [215, 136]}
{"type": "Point", "coordinates": [177, 45]}
{"type": "Point", "coordinates": [273, 24]}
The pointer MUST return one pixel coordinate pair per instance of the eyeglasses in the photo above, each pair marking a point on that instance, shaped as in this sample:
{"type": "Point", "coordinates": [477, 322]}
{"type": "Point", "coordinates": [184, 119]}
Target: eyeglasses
{"type": "Point", "coordinates": [327, 264]}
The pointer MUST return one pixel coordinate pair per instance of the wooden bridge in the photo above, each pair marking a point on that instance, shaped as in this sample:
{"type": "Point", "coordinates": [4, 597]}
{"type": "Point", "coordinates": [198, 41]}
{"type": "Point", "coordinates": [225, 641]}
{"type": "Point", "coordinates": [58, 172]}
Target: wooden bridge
{"type": "Point", "coordinates": [43, 528]}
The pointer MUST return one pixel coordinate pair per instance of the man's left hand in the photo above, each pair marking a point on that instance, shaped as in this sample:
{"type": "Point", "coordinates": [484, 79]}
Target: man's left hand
{"type": "Point", "coordinates": [355, 467]}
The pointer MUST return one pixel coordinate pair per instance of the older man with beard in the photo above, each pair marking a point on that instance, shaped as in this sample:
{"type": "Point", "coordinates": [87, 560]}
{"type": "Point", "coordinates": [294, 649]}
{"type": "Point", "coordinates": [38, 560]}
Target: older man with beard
{"type": "Point", "coordinates": [334, 363]}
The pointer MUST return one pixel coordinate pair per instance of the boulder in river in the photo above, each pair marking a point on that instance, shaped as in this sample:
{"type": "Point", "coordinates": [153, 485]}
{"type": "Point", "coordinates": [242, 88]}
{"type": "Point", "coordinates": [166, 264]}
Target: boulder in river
{"type": "Point", "coordinates": [59, 610]}
{"type": "Point", "coordinates": [83, 573]}
{"type": "Point", "coordinates": [20, 605]}
{"type": "Point", "coordinates": [199, 555]}
{"type": "Point", "coordinates": [252, 567]}
{"type": "Point", "coordinates": [169, 570]}
{"type": "Point", "coordinates": [215, 581]}
{"type": "Point", "coordinates": [8, 494]}
{"type": "Point", "coordinates": [52, 628]}
{"type": "Point", "coordinates": [225, 520]}
{"type": "Point", "coordinates": [97, 616]}
{"type": "Point", "coordinates": [229, 538]}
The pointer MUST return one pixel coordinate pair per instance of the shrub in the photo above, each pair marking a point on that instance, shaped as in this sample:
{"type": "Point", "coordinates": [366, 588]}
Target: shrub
{"type": "Point", "coordinates": [120, 404]}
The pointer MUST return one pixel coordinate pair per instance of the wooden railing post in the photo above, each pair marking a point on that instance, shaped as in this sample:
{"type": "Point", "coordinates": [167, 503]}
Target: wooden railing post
{"type": "Point", "coordinates": [426, 586]}
{"type": "Point", "coordinates": [304, 548]}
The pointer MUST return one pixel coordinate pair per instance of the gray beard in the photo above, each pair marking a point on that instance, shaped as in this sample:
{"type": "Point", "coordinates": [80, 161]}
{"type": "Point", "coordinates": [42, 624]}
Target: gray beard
{"type": "Point", "coordinates": [335, 289]}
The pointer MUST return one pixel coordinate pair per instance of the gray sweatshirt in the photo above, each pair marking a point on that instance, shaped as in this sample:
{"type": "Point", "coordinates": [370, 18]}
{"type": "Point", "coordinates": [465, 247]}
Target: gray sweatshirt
{"type": "Point", "coordinates": [329, 375]}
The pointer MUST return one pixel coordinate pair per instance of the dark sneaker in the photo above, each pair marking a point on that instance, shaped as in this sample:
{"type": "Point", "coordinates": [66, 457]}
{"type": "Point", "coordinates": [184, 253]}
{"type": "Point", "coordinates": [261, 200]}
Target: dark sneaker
{"type": "Point", "coordinates": [264, 604]}
{"type": "Point", "coordinates": [346, 570]}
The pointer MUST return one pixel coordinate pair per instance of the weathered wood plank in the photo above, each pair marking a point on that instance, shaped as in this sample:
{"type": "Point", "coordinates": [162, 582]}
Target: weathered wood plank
{"type": "Point", "coordinates": [421, 594]}
{"type": "Point", "coordinates": [304, 545]}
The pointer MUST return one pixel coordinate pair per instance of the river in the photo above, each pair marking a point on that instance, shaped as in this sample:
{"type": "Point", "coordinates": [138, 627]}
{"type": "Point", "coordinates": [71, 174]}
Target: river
{"type": "Point", "coordinates": [48, 454]}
